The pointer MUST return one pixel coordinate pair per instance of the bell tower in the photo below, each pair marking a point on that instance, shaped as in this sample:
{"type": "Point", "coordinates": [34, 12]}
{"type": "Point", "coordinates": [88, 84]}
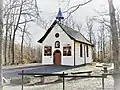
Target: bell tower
{"type": "Point", "coordinates": [59, 15]}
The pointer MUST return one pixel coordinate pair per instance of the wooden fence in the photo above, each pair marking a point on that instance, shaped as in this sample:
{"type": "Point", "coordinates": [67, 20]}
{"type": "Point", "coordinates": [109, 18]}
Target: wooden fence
{"type": "Point", "coordinates": [66, 75]}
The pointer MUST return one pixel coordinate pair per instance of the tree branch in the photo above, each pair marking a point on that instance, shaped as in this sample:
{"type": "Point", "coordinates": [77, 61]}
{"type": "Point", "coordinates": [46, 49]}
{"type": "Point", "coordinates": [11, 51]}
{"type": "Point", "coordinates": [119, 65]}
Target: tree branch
{"type": "Point", "coordinates": [77, 6]}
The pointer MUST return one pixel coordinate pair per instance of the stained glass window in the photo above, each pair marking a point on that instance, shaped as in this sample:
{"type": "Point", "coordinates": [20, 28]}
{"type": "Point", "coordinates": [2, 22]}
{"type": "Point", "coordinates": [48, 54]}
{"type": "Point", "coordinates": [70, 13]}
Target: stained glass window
{"type": "Point", "coordinates": [47, 51]}
{"type": "Point", "coordinates": [67, 50]}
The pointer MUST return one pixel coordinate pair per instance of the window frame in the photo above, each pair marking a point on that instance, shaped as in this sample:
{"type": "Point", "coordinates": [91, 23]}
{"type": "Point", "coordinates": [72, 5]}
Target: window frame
{"type": "Point", "coordinates": [48, 54]}
{"type": "Point", "coordinates": [69, 53]}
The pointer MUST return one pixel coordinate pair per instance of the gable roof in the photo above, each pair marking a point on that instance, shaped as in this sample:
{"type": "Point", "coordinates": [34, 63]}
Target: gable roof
{"type": "Point", "coordinates": [73, 34]}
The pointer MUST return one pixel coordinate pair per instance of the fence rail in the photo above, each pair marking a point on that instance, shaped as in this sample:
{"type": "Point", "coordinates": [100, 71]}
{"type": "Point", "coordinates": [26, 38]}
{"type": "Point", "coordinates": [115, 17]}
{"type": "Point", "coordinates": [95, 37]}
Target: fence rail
{"type": "Point", "coordinates": [66, 75]}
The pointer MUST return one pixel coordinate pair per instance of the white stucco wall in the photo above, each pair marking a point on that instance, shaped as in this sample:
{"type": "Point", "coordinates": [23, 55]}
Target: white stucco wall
{"type": "Point", "coordinates": [78, 60]}
{"type": "Point", "coordinates": [63, 39]}
{"type": "Point", "coordinates": [81, 60]}
{"type": "Point", "coordinates": [89, 58]}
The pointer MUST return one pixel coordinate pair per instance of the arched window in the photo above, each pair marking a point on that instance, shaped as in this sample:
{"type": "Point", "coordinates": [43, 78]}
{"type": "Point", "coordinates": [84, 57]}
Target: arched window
{"type": "Point", "coordinates": [57, 44]}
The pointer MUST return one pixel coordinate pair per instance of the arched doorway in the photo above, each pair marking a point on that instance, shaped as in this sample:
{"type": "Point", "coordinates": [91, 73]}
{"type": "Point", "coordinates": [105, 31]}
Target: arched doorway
{"type": "Point", "coordinates": [57, 57]}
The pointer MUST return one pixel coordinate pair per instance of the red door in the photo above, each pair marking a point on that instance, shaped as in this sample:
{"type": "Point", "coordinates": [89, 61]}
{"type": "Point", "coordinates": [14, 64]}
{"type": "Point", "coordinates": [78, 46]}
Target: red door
{"type": "Point", "coordinates": [57, 57]}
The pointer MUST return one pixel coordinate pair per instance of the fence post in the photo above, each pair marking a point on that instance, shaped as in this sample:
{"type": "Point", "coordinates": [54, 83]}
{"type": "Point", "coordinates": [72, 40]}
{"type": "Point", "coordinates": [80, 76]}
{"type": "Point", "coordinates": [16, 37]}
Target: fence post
{"type": "Point", "coordinates": [63, 82]}
{"type": "Point", "coordinates": [42, 79]}
{"type": "Point", "coordinates": [22, 79]}
{"type": "Point", "coordinates": [103, 82]}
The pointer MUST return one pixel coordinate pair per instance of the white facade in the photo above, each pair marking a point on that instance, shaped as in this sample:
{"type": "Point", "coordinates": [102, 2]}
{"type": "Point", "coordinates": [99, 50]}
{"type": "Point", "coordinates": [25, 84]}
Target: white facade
{"type": "Point", "coordinates": [63, 39]}
{"type": "Point", "coordinates": [72, 60]}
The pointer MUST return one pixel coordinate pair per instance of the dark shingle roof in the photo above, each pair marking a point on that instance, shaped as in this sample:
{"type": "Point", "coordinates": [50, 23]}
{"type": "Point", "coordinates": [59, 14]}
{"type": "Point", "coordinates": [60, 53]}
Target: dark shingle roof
{"type": "Point", "coordinates": [73, 34]}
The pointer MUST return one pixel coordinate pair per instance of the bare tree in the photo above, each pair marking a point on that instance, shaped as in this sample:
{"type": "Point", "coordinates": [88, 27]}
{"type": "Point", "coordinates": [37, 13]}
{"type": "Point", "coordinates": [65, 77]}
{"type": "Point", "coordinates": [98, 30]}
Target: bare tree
{"type": "Point", "coordinates": [102, 43]}
{"type": "Point", "coordinates": [98, 46]}
{"type": "Point", "coordinates": [115, 45]}
{"type": "Point", "coordinates": [24, 31]}
{"type": "Point", "coordinates": [89, 23]}
{"type": "Point", "coordinates": [15, 29]}
{"type": "Point", "coordinates": [15, 10]}
{"type": "Point", "coordinates": [79, 27]}
{"type": "Point", "coordinates": [75, 7]}
{"type": "Point", "coordinates": [1, 37]}
{"type": "Point", "coordinates": [6, 40]}
{"type": "Point", "coordinates": [118, 23]}
{"type": "Point", "coordinates": [92, 36]}
{"type": "Point", "coordinates": [104, 31]}
{"type": "Point", "coordinates": [23, 34]}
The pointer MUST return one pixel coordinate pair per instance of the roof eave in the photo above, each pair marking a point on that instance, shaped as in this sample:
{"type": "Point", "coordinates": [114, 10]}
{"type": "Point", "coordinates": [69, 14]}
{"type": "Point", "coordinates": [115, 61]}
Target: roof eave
{"type": "Point", "coordinates": [47, 32]}
{"type": "Point", "coordinates": [84, 42]}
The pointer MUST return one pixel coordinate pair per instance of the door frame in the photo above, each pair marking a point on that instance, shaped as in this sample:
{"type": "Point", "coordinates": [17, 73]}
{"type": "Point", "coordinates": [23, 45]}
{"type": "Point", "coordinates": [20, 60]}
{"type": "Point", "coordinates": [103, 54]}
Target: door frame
{"type": "Point", "coordinates": [56, 51]}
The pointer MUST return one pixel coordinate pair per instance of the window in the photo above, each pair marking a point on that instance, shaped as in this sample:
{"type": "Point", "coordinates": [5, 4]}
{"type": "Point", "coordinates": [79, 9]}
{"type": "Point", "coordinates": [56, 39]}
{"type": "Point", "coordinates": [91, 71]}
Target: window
{"type": "Point", "coordinates": [57, 35]}
{"type": "Point", "coordinates": [47, 51]}
{"type": "Point", "coordinates": [87, 51]}
{"type": "Point", "coordinates": [67, 50]}
{"type": "Point", "coordinates": [57, 44]}
{"type": "Point", "coordinates": [81, 51]}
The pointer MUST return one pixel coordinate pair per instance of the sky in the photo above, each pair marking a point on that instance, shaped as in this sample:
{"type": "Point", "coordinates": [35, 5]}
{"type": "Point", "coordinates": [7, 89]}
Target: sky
{"type": "Point", "coordinates": [49, 9]}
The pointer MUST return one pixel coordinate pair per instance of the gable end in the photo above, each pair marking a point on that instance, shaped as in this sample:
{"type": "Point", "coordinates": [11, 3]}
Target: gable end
{"type": "Point", "coordinates": [48, 31]}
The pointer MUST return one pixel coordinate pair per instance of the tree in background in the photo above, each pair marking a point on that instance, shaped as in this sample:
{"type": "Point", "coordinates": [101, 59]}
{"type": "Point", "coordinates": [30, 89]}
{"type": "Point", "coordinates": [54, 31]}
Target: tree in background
{"type": "Point", "coordinates": [115, 45]}
{"type": "Point", "coordinates": [17, 14]}
{"type": "Point", "coordinates": [1, 38]}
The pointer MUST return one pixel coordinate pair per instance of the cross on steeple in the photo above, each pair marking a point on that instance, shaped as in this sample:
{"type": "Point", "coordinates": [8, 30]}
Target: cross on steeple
{"type": "Point", "coordinates": [59, 15]}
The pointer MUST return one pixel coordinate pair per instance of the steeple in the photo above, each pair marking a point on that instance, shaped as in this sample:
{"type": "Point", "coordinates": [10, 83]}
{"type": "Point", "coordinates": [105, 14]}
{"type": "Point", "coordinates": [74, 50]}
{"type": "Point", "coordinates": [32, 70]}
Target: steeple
{"type": "Point", "coordinates": [59, 15]}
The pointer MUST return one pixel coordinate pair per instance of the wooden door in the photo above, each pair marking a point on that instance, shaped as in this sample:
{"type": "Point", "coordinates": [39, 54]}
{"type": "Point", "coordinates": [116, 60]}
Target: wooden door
{"type": "Point", "coordinates": [57, 58]}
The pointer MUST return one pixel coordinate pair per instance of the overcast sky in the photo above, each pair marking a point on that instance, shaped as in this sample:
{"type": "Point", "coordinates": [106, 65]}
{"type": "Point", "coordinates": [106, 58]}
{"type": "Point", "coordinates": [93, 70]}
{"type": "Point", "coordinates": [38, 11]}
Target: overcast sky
{"type": "Point", "coordinates": [49, 9]}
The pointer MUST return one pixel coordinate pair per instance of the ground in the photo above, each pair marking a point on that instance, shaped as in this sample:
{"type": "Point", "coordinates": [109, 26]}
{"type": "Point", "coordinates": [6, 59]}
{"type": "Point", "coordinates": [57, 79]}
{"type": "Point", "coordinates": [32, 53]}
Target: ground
{"type": "Point", "coordinates": [70, 83]}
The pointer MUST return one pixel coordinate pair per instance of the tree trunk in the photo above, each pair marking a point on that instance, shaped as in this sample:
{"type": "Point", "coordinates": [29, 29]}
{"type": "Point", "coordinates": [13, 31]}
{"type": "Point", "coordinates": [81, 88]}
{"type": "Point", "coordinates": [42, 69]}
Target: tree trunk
{"type": "Point", "coordinates": [21, 61]}
{"type": "Point", "coordinates": [98, 52]}
{"type": "Point", "coordinates": [12, 48]}
{"type": "Point", "coordinates": [115, 45]}
{"type": "Point", "coordinates": [94, 54]}
{"type": "Point", "coordinates": [5, 52]}
{"type": "Point", "coordinates": [16, 27]}
{"type": "Point", "coordinates": [9, 47]}
{"type": "Point", "coordinates": [6, 40]}
{"type": "Point", "coordinates": [1, 37]}
{"type": "Point", "coordinates": [118, 24]}
{"type": "Point", "coordinates": [103, 42]}
{"type": "Point", "coordinates": [101, 48]}
{"type": "Point", "coordinates": [23, 33]}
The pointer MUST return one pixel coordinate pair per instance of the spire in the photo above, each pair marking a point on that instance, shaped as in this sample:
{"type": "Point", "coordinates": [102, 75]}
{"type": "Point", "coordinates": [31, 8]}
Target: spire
{"type": "Point", "coordinates": [59, 15]}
